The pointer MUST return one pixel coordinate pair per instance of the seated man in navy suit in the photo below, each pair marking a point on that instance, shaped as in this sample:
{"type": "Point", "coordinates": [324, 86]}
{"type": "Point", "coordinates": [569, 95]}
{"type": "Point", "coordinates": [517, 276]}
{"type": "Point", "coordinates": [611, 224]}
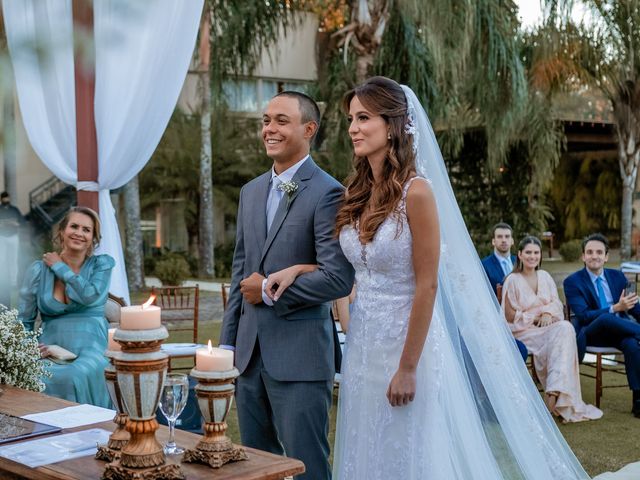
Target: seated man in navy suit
{"type": "Point", "coordinates": [500, 263]}
{"type": "Point", "coordinates": [605, 316]}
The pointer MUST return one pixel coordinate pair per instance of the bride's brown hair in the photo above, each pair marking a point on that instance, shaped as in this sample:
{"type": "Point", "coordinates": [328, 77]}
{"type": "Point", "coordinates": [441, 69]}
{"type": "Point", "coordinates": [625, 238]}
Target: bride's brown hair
{"type": "Point", "coordinates": [380, 96]}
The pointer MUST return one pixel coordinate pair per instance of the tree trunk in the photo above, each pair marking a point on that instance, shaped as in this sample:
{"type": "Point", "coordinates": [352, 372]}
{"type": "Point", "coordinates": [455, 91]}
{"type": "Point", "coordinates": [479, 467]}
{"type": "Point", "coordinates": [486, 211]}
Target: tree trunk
{"type": "Point", "coordinates": [133, 243]}
{"type": "Point", "coordinates": [363, 66]}
{"type": "Point", "coordinates": [206, 240]}
{"type": "Point", "coordinates": [9, 146]}
{"type": "Point", "coordinates": [628, 156]}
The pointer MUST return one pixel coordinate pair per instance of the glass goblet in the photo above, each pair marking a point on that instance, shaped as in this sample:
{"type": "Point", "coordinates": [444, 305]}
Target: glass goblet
{"type": "Point", "coordinates": [173, 399]}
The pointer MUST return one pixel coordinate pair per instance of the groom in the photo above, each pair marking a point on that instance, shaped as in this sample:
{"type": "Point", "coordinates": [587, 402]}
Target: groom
{"type": "Point", "coordinates": [285, 351]}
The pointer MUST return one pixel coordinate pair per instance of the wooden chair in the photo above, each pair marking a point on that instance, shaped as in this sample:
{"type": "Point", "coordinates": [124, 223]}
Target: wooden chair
{"type": "Point", "coordinates": [224, 289]}
{"type": "Point", "coordinates": [341, 339]}
{"type": "Point", "coordinates": [112, 310]}
{"type": "Point", "coordinates": [180, 313]}
{"type": "Point", "coordinates": [600, 366]}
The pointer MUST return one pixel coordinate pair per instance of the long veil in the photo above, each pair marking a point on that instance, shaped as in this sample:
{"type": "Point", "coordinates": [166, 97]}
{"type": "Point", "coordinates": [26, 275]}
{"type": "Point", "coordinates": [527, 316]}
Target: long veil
{"type": "Point", "coordinates": [500, 395]}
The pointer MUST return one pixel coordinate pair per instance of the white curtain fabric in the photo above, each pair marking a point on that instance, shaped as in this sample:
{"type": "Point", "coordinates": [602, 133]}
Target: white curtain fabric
{"type": "Point", "coordinates": [143, 49]}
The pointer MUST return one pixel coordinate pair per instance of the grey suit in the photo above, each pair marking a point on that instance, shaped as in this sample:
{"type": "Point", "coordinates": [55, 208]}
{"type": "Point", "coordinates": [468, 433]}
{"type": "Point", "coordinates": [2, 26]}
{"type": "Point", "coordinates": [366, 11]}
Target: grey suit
{"type": "Point", "coordinates": [286, 353]}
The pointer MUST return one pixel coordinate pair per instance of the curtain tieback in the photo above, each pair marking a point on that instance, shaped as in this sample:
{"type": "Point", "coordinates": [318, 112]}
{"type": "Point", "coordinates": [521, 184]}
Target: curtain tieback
{"type": "Point", "coordinates": [87, 186]}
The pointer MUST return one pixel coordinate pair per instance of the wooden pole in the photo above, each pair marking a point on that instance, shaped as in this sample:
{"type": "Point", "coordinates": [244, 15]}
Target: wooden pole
{"type": "Point", "coordinates": [85, 82]}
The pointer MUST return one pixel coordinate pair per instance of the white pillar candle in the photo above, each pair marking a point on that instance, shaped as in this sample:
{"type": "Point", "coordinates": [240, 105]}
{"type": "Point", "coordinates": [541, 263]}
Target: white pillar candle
{"type": "Point", "coordinates": [212, 359]}
{"type": "Point", "coordinates": [113, 345]}
{"type": "Point", "coordinates": [140, 317]}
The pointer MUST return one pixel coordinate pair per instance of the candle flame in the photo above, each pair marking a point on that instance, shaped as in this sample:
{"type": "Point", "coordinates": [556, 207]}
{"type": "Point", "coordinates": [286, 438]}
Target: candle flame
{"type": "Point", "coordinates": [148, 303]}
{"type": "Point", "coordinates": [210, 347]}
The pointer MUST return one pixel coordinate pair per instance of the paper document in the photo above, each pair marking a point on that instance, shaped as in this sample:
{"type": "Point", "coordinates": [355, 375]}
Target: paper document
{"type": "Point", "coordinates": [72, 417]}
{"type": "Point", "coordinates": [53, 449]}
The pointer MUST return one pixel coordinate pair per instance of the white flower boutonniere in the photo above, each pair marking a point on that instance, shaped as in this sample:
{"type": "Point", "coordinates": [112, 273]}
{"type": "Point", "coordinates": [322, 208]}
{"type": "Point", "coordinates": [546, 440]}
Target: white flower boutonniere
{"type": "Point", "coordinates": [290, 188]}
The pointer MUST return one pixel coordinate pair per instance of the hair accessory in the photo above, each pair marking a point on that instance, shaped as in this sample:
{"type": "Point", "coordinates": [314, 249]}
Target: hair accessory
{"type": "Point", "coordinates": [410, 127]}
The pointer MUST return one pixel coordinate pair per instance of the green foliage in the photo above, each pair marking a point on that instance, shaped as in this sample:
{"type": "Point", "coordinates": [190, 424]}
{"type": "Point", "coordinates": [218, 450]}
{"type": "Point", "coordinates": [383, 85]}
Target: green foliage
{"type": "Point", "coordinates": [585, 197]}
{"type": "Point", "coordinates": [172, 269]}
{"type": "Point", "coordinates": [571, 251]}
{"type": "Point", "coordinates": [487, 197]}
{"type": "Point", "coordinates": [224, 259]}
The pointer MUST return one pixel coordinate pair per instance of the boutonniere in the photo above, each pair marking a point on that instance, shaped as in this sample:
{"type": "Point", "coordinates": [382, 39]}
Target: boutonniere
{"type": "Point", "coordinates": [290, 188]}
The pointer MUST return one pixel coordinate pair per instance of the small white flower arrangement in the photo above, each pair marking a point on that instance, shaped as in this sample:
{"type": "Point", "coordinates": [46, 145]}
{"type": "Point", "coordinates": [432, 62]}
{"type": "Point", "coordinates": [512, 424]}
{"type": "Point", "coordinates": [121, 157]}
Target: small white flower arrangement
{"type": "Point", "coordinates": [20, 363]}
{"type": "Point", "coordinates": [289, 187]}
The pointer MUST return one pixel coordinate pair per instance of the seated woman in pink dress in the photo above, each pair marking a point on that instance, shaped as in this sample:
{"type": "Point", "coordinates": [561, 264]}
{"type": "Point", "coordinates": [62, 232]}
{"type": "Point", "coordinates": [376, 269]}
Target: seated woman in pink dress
{"type": "Point", "coordinates": [531, 306]}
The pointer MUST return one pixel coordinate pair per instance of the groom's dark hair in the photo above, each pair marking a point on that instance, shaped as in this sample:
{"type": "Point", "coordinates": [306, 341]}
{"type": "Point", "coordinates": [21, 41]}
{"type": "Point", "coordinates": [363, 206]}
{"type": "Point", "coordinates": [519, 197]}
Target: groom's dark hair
{"type": "Point", "coordinates": [309, 110]}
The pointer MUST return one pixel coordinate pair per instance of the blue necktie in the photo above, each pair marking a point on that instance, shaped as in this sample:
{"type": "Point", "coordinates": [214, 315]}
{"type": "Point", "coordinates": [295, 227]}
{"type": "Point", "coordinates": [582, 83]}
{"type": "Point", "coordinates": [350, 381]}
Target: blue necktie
{"type": "Point", "coordinates": [505, 266]}
{"type": "Point", "coordinates": [602, 299]}
{"type": "Point", "coordinates": [273, 201]}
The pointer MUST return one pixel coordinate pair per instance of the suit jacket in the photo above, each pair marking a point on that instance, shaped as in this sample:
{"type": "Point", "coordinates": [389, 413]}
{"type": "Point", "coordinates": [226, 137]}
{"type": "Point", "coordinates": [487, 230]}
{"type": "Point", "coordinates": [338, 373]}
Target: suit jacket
{"type": "Point", "coordinates": [494, 270]}
{"type": "Point", "coordinates": [296, 335]}
{"type": "Point", "coordinates": [582, 297]}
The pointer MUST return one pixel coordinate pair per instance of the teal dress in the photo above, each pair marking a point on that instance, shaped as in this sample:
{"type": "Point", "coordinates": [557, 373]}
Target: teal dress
{"type": "Point", "coordinates": [79, 326]}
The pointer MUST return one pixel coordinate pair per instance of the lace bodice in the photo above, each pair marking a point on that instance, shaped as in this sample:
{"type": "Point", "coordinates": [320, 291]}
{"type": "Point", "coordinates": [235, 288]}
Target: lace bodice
{"type": "Point", "coordinates": [384, 268]}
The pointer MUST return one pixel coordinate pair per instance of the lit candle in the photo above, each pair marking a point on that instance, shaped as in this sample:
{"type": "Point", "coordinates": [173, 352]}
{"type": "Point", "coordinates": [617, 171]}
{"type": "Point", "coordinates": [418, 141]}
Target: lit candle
{"type": "Point", "coordinates": [113, 345]}
{"type": "Point", "coordinates": [140, 317]}
{"type": "Point", "coordinates": [213, 359]}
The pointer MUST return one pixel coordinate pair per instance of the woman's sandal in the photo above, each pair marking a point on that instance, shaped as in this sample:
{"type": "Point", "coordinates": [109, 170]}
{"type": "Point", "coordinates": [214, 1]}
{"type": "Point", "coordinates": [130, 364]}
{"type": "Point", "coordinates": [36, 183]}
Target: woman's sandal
{"type": "Point", "coordinates": [550, 399]}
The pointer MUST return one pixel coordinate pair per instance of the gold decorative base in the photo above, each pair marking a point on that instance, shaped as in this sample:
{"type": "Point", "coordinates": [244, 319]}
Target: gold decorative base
{"type": "Point", "coordinates": [118, 439]}
{"type": "Point", "coordinates": [107, 454]}
{"type": "Point", "coordinates": [213, 458]}
{"type": "Point", "coordinates": [168, 471]}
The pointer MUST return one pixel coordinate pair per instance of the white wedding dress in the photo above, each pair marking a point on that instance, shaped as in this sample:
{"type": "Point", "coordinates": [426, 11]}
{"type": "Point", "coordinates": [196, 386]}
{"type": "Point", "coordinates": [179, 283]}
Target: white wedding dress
{"type": "Point", "coordinates": [477, 415]}
{"type": "Point", "coordinates": [375, 440]}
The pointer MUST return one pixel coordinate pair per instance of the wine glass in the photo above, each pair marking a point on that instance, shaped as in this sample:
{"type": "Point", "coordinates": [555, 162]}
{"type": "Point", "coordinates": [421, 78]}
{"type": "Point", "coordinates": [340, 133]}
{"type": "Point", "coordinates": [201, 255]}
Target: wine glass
{"type": "Point", "coordinates": [173, 399]}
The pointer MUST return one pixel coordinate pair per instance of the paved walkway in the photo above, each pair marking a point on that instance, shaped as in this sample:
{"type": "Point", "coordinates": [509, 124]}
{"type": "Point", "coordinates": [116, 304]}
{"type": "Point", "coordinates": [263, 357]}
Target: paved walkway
{"type": "Point", "coordinates": [206, 286]}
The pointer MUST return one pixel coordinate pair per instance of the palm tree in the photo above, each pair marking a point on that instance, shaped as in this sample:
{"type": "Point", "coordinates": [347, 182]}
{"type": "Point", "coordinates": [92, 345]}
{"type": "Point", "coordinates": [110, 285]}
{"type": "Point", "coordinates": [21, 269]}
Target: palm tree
{"type": "Point", "coordinates": [605, 52]}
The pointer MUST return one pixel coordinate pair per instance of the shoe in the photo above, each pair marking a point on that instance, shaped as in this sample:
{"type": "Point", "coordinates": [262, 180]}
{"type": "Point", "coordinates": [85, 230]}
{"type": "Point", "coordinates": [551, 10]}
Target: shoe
{"type": "Point", "coordinates": [635, 409]}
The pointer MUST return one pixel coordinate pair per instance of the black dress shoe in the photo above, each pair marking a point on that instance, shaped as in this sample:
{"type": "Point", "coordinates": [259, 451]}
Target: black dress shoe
{"type": "Point", "coordinates": [635, 409]}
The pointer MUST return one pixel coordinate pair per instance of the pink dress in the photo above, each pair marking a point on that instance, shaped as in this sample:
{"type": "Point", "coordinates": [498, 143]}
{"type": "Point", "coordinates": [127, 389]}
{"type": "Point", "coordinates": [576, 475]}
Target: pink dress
{"type": "Point", "coordinates": [553, 347]}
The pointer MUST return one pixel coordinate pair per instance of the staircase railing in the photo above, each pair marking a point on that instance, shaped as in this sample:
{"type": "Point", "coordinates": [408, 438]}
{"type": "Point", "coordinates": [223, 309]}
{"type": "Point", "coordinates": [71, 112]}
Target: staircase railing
{"type": "Point", "coordinates": [50, 200]}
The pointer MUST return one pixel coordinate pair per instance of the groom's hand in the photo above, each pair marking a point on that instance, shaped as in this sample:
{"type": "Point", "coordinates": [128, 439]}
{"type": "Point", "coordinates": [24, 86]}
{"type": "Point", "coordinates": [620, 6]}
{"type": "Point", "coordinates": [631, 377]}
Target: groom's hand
{"type": "Point", "coordinates": [251, 288]}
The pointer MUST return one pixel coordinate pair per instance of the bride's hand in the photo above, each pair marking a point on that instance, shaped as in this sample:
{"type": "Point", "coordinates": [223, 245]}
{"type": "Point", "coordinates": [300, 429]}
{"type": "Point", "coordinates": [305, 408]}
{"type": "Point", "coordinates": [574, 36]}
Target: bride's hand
{"type": "Point", "coordinates": [402, 388]}
{"type": "Point", "coordinates": [278, 282]}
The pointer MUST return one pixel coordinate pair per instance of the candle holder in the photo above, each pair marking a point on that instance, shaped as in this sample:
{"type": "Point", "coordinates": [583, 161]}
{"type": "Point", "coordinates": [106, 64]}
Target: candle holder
{"type": "Point", "coordinates": [140, 370]}
{"type": "Point", "coordinates": [120, 436]}
{"type": "Point", "coordinates": [215, 394]}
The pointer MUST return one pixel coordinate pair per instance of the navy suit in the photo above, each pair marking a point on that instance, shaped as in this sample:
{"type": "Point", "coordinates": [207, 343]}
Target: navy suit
{"type": "Point", "coordinates": [496, 275]}
{"type": "Point", "coordinates": [597, 327]}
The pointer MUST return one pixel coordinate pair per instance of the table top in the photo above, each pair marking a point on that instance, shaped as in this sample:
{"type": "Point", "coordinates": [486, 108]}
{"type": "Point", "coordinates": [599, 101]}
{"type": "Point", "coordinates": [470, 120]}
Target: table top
{"type": "Point", "coordinates": [260, 466]}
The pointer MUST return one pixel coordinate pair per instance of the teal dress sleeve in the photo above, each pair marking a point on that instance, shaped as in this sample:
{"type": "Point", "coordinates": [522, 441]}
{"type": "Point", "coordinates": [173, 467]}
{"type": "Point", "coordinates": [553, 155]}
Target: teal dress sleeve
{"type": "Point", "coordinates": [83, 290]}
{"type": "Point", "coordinates": [28, 298]}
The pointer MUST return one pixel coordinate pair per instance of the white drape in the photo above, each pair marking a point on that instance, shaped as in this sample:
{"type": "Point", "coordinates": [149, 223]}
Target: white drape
{"type": "Point", "coordinates": [143, 49]}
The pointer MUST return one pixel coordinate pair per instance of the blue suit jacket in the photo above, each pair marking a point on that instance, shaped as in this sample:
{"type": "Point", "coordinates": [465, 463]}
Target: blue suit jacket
{"type": "Point", "coordinates": [582, 299]}
{"type": "Point", "coordinates": [494, 270]}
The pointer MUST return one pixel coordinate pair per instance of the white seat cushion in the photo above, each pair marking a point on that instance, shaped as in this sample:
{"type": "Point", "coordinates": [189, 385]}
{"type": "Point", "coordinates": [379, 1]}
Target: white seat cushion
{"type": "Point", "coordinates": [604, 350]}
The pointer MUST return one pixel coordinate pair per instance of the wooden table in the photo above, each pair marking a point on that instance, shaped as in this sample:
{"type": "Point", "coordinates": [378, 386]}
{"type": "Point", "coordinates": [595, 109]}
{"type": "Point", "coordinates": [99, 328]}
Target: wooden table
{"type": "Point", "coordinates": [260, 466]}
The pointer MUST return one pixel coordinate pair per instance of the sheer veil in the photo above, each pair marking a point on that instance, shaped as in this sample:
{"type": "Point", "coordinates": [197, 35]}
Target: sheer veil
{"type": "Point", "coordinates": [499, 394]}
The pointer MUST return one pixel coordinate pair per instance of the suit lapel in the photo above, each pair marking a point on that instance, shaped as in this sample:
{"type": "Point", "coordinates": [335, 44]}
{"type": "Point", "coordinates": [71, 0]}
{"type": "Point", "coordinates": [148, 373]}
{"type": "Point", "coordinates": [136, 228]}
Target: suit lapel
{"type": "Point", "coordinates": [586, 279]}
{"type": "Point", "coordinates": [304, 173]}
{"type": "Point", "coordinates": [260, 213]}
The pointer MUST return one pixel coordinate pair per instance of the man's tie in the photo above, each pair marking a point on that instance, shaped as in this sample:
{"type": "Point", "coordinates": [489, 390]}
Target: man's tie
{"type": "Point", "coordinates": [602, 299]}
{"type": "Point", "coordinates": [506, 266]}
{"type": "Point", "coordinates": [275, 196]}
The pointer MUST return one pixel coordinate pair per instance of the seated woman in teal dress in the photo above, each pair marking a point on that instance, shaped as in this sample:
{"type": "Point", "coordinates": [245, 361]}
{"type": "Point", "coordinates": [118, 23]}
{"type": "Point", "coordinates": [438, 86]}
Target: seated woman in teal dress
{"type": "Point", "coordinates": [69, 288]}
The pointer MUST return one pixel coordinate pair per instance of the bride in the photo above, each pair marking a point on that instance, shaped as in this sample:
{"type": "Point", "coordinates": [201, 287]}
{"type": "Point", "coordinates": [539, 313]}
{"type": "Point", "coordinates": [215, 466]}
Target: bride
{"type": "Point", "coordinates": [432, 385]}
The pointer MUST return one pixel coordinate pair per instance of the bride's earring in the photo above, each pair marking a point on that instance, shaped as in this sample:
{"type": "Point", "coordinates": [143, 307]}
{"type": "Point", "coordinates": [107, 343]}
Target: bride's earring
{"type": "Point", "coordinates": [388, 135]}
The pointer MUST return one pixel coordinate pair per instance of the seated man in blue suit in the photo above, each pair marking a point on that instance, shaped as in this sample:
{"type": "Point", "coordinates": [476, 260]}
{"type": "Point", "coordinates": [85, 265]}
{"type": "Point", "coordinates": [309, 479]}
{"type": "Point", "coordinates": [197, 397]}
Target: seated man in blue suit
{"type": "Point", "coordinates": [605, 316]}
{"type": "Point", "coordinates": [500, 263]}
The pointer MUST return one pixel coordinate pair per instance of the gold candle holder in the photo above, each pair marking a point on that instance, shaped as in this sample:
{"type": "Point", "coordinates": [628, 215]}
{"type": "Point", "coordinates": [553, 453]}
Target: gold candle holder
{"type": "Point", "coordinates": [120, 436]}
{"type": "Point", "coordinates": [141, 368]}
{"type": "Point", "coordinates": [215, 394]}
